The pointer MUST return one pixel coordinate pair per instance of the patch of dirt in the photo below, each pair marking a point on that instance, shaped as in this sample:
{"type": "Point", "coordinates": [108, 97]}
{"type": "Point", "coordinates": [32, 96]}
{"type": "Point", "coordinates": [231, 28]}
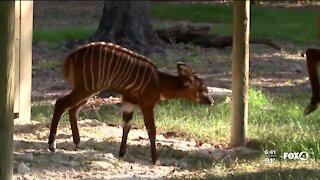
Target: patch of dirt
{"type": "Point", "coordinates": [275, 72]}
{"type": "Point", "coordinates": [97, 156]}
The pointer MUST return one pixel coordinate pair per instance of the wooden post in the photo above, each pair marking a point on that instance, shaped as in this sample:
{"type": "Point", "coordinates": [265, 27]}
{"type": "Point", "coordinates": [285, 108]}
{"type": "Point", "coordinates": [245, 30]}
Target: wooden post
{"type": "Point", "coordinates": [6, 87]}
{"type": "Point", "coordinates": [240, 72]}
{"type": "Point", "coordinates": [23, 60]}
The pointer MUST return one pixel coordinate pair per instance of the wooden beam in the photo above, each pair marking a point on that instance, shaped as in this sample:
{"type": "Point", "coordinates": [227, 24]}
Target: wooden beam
{"type": "Point", "coordinates": [6, 88]}
{"type": "Point", "coordinates": [23, 54]}
{"type": "Point", "coordinates": [240, 72]}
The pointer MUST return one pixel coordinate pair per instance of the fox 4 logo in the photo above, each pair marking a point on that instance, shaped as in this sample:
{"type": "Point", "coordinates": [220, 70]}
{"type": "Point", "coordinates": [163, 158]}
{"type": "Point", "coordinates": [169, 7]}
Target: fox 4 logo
{"type": "Point", "coordinates": [301, 156]}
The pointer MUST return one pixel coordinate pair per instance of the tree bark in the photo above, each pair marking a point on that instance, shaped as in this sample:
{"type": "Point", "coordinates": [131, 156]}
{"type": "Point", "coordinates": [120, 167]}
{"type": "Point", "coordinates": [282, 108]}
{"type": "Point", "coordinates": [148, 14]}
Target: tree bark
{"type": "Point", "coordinates": [7, 10]}
{"type": "Point", "coordinates": [200, 35]}
{"type": "Point", "coordinates": [128, 24]}
{"type": "Point", "coordinates": [240, 73]}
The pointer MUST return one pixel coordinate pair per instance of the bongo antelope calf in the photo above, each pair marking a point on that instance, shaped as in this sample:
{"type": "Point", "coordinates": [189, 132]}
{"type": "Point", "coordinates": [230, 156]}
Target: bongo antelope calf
{"type": "Point", "coordinates": [105, 66]}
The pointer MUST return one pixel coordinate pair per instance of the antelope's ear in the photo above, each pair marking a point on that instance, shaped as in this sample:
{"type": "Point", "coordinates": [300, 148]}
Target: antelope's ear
{"type": "Point", "coordinates": [185, 73]}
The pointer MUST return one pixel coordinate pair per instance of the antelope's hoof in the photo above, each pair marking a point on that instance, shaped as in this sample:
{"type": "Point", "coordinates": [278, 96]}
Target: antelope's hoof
{"type": "Point", "coordinates": [52, 147]}
{"type": "Point", "coordinates": [157, 163]}
{"type": "Point", "coordinates": [122, 154]}
{"type": "Point", "coordinates": [309, 109]}
{"type": "Point", "coordinates": [78, 146]}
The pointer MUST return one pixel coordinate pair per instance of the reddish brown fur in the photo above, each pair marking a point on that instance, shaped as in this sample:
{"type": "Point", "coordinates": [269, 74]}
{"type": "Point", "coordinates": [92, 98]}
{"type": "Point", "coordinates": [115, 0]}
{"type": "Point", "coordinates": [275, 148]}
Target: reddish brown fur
{"type": "Point", "coordinates": [66, 68]}
{"type": "Point", "coordinates": [86, 74]}
{"type": "Point", "coordinates": [313, 60]}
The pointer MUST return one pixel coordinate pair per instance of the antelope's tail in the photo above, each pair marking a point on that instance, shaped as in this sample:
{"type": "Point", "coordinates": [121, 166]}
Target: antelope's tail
{"type": "Point", "coordinates": [68, 69]}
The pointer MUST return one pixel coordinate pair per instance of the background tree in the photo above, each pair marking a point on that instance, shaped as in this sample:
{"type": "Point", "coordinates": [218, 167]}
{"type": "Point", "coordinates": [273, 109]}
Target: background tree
{"type": "Point", "coordinates": [128, 24]}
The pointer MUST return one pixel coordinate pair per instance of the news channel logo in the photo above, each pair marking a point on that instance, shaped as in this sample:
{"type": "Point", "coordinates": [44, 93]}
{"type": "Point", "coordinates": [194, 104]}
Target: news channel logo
{"type": "Point", "coordinates": [300, 156]}
{"type": "Point", "coordinates": [272, 155]}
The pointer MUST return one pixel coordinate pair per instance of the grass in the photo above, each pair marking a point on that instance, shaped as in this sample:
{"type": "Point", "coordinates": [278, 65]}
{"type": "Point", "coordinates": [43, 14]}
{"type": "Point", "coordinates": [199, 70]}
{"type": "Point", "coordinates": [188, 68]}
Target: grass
{"type": "Point", "coordinates": [276, 121]}
{"type": "Point", "coordinates": [58, 35]}
{"type": "Point", "coordinates": [279, 24]}
{"type": "Point", "coordinates": [294, 25]}
{"type": "Point", "coordinates": [47, 64]}
{"type": "Point", "coordinates": [261, 170]}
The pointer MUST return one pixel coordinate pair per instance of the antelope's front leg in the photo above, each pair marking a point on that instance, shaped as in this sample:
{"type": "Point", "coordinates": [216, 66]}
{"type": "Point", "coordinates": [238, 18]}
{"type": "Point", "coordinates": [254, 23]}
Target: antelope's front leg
{"type": "Point", "coordinates": [127, 117]}
{"type": "Point", "coordinates": [148, 117]}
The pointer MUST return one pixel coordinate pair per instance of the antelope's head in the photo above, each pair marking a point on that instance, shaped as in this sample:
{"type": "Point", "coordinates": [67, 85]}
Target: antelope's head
{"type": "Point", "coordinates": [195, 89]}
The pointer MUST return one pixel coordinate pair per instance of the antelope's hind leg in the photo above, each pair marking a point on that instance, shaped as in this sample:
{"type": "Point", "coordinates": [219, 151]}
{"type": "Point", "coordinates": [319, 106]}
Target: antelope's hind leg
{"type": "Point", "coordinates": [127, 117]}
{"type": "Point", "coordinates": [73, 116]}
{"type": "Point", "coordinates": [72, 100]}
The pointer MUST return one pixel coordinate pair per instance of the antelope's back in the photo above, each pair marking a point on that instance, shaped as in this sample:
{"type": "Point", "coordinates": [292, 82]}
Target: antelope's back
{"type": "Point", "coordinates": [98, 66]}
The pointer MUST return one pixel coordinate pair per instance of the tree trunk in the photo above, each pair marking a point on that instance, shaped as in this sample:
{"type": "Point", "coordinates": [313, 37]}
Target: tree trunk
{"type": "Point", "coordinates": [7, 10]}
{"type": "Point", "coordinates": [240, 72]}
{"type": "Point", "coordinates": [128, 24]}
{"type": "Point", "coordinates": [201, 35]}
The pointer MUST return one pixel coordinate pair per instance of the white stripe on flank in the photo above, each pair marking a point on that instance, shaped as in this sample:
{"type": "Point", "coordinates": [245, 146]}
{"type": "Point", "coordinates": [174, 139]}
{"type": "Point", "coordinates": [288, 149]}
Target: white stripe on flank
{"type": "Point", "coordinates": [117, 69]}
{"type": "Point", "coordinates": [84, 69]}
{"type": "Point", "coordinates": [130, 72]}
{"type": "Point", "coordinates": [121, 70]}
{"type": "Point", "coordinates": [113, 75]}
{"type": "Point", "coordinates": [142, 79]}
{"type": "Point", "coordinates": [136, 78]}
{"type": "Point", "coordinates": [147, 82]}
{"type": "Point", "coordinates": [124, 71]}
{"type": "Point", "coordinates": [108, 72]}
{"type": "Point", "coordinates": [105, 51]}
{"type": "Point", "coordinates": [92, 75]}
{"type": "Point", "coordinates": [99, 73]}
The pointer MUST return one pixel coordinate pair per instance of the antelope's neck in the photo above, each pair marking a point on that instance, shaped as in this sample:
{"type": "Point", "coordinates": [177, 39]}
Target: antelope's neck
{"type": "Point", "coordinates": [170, 85]}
